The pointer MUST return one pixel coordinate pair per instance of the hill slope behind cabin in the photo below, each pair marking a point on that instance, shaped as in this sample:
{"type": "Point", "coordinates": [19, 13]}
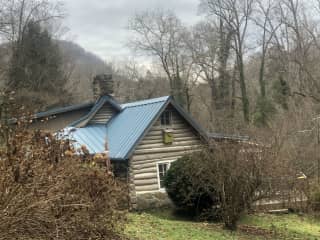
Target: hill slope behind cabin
{"type": "Point", "coordinates": [79, 65]}
{"type": "Point", "coordinates": [84, 65]}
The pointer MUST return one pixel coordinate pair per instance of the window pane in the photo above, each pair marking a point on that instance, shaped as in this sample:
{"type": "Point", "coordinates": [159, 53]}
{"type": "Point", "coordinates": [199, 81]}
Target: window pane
{"type": "Point", "coordinates": [166, 118]}
{"type": "Point", "coordinates": [162, 168]}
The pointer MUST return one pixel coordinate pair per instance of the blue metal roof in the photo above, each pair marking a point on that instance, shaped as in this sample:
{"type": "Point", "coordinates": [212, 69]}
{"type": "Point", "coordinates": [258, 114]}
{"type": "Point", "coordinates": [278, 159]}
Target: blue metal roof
{"type": "Point", "coordinates": [128, 127]}
{"type": "Point", "coordinates": [62, 110]}
{"type": "Point", "coordinates": [124, 130]}
{"type": "Point", "coordinates": [93, 137]}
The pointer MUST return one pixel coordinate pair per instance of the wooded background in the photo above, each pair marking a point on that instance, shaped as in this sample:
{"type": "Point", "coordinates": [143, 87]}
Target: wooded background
{"type": "Point", "coordinates": [247, 67]}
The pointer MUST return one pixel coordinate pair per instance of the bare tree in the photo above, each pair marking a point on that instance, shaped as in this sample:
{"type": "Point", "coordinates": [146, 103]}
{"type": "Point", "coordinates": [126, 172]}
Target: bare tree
{"type": "Point", "coordinates": [203, 47]}
{"type": "Point", "coordinates": [17, 14]}
{"type": "Point", "coordinates": [235, 14]}
{"type": "Point", "coordinates": [268, 30]}
{"type": "Point", "coordinates": [298, 35]}
{"type": "Point", "coordinates": [161, 34]}
{"type": "Point", "coordinates": [134, 81]}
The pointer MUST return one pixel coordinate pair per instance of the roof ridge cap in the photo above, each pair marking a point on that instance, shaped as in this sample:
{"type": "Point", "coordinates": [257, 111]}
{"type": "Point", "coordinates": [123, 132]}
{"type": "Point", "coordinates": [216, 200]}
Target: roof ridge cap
{"type": "Point", "coordinates": [156, 100]}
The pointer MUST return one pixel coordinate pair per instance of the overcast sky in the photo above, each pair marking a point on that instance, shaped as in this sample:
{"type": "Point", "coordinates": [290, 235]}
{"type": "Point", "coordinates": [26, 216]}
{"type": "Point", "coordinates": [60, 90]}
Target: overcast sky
{"type": "Point", "coordinates": [99, 26]}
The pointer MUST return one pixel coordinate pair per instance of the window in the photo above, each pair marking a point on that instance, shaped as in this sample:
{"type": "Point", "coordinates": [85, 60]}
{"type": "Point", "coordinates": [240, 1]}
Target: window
{"type": "Point", "coordinates": [162, 170]}
{"type": "Point", "coordinates": [166, 118]}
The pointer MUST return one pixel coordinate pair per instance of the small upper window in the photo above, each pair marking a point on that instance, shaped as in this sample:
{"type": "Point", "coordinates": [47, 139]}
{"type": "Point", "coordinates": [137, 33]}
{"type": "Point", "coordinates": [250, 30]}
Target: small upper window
{"type": "Point", "coordinates": [166, 118]}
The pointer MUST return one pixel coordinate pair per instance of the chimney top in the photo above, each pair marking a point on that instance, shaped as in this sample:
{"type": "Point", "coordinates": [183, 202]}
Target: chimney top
{"type": "Point", "coordinates": [102, 85]}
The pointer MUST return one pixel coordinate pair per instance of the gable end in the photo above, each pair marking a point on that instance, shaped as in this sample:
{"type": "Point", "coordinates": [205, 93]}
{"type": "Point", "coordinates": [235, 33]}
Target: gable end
{"type": "Point", "coordinates": [184, 115]}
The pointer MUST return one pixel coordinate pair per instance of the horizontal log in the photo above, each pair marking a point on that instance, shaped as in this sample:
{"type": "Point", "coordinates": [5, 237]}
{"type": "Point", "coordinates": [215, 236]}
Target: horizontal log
{"type": "Point", "coordinates": [153, 158]}
{"type": "Point", "coordinates": [142, 170]}
{"type": "Point", "coordinates": [153, 187]}
{"type": "Point", "coordinates": [152, 137]}
{"type": "Point", "coordinates": [173, 126]}
{"type": "Point", "coordinates": [147, 162]}
{"type": "Point", "coordinates": [176, 139]}
{"type": "Point", "coordinates": [104, 113]}
{"type": "Point", "coordinates": [153, 162]}
{"type": "Point", "coordinates": [102, 116]}
{"type": "Point", "coordinates": [145, 176]}
{"type": "Point", "coordinates": [168, 149]}
{"type": "Point", "coordinates": [106, 110]}
{"type": "Point", "coordinates": [159, 140]}
{"type": "Point", "coordinates": [174, 131]}
{"type": "Point", "coordinates": [146, 182]}
{"type": "Point", "coordinates": [175, 143]}
{"type": "Point", "coordinates": [158, 135]}
{"type": "Point", "coordinates": [153, 133]}
{"type": "Point", "coordinates": [144, 157]}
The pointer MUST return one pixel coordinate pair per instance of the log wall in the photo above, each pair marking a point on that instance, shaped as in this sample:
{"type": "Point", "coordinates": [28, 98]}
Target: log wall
{"type": "Point", "coordinates": [103, 115]}
{"type": "Point", "coordinates": [152, 150]}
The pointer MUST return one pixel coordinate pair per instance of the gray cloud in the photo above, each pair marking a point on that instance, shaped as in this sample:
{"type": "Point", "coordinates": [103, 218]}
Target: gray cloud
{"type": "Point", "coordinates": [100, 25]}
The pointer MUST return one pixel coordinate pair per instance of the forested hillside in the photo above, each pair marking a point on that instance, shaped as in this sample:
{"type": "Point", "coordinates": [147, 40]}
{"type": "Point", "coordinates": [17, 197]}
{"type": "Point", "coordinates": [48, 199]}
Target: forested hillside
{"type": "Point", "coordinates": [246, 67]}
{"type": "Point", "coordinates": [79, 67]}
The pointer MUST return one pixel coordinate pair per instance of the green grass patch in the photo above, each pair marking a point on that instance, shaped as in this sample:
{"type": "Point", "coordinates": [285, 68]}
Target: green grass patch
{"type": "Point", "coordinates": [287, 226]}
{"type": "Point", "coordinates": [162, 224]}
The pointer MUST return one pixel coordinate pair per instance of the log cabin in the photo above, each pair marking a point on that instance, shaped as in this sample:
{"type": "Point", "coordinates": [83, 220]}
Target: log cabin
{"type": "Point", "coordinates": [143, 137]}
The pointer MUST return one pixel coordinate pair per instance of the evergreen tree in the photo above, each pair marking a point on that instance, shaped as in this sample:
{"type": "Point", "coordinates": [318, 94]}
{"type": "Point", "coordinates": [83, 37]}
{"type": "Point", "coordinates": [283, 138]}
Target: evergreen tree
{"type": "Point", "coordinates": [36, 62]}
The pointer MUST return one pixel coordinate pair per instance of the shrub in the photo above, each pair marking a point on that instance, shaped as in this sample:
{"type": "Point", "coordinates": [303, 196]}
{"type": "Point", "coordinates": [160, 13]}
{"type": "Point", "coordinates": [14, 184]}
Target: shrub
{"type": "Point", "coordinates": [46, 192]}
{"type": "Point", "coordinates": [186, 192]}
{"type": "Point", "coordinates": [228, 174]}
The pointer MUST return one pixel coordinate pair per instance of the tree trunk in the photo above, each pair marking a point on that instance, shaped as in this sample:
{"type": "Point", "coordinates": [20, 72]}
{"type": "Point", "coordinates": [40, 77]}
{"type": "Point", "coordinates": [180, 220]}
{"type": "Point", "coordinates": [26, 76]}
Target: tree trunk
{"type": "Point", "coordinates": [261, 77]}
{"type": "Point", "coordinates": [244, 96]}
{"type": "Point", "coordinates": [233, 92]}
{"type": "Point", "coordinates": [224, 79]}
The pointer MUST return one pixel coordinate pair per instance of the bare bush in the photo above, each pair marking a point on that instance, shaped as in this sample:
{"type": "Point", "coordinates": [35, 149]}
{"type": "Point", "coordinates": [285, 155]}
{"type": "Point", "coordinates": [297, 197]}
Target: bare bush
{"type": "Point", "coordinates": [49, 192]}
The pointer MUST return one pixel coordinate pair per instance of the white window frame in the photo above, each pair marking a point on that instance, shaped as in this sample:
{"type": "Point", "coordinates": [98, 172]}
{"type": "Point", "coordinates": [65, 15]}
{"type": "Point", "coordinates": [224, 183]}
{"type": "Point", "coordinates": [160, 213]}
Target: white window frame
{"type": "Point", "coordinates": [158, 173]}
{"type": "Point", "coordinates": [170, 118]}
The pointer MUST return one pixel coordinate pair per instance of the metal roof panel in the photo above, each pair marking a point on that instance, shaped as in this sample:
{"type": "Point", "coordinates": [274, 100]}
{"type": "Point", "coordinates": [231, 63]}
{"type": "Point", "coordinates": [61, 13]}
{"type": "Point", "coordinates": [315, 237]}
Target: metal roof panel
{"type": "Point", "coordinates": [63, 110]}
{"type": "Point", "coordinates": [122, 131]}
{"type": "Point", "coordinates": [126, 128]}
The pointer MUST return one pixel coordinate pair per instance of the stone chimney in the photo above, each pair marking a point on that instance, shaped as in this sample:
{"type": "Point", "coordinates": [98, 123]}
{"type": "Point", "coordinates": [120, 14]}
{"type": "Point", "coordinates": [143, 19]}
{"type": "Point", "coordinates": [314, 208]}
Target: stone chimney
{"type": "Point", "coordinates": [102, 85]}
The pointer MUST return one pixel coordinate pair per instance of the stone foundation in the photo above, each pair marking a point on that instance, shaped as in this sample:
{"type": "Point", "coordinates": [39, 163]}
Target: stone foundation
{"type": "Point", "coordinates": [153, 200]}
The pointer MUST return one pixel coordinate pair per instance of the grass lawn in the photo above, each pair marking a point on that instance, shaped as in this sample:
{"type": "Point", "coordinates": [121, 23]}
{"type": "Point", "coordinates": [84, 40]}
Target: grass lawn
{"type": "Point", "coordinates": [162, 224]}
